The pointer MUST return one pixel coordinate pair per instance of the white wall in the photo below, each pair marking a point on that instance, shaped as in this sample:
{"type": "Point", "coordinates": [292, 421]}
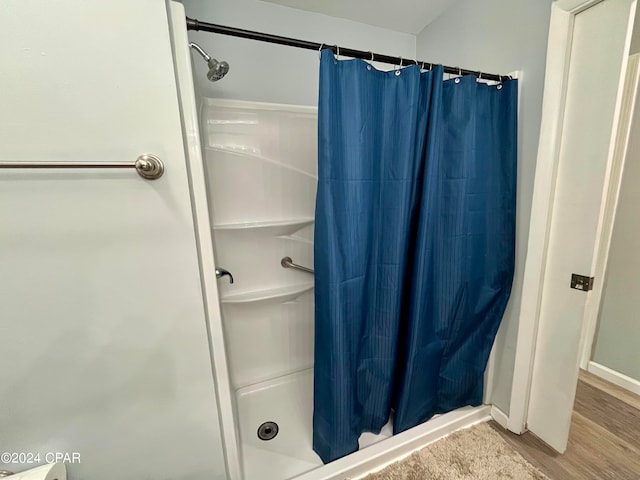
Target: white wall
{"type": "Point", "coordinates": [617, 342]}
{"type": "Point", "coordinates": [500, 37]}
{"type": "Point", "coordinates": [276, 73]}
{"type": "Point", "coordinates": [104, 336]}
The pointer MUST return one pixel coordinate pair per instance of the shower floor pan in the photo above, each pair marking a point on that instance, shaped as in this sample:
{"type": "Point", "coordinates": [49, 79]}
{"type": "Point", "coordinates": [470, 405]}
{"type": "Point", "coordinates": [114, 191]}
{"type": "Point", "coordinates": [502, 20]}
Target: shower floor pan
{"type": "Point", "coordinates": [288, 402]}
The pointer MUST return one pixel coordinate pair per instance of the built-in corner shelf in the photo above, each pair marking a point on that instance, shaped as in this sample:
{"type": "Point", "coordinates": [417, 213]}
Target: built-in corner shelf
{"type": "Point", "coordinates": [274, 228]}
{"type": "Point", "coordinates": [278, 294]}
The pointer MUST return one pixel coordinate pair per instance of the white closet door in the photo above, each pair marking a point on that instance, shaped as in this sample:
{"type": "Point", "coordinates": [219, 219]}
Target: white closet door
{"type": "Point", "coordinates": [103, 336]}
{"type": "Point", "coordinates": [597, 59]}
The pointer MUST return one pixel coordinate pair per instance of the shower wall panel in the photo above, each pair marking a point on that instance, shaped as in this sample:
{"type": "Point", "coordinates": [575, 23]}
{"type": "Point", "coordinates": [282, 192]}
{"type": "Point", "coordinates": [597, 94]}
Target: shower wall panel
{"type": "Point", "coordinates": [260, 161]}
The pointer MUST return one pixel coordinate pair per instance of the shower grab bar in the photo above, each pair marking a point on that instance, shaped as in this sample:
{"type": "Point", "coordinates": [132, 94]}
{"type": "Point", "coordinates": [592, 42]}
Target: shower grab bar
{"type": "Point", "coordinates": [148, 166]}
{"type": "Point", "coordinates": [287, 262]}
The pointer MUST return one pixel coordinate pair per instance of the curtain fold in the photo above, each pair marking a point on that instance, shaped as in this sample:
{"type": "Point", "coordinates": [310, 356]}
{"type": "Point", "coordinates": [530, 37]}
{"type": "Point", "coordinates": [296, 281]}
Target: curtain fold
{"type": "Point", "coordinates": [414, 245]}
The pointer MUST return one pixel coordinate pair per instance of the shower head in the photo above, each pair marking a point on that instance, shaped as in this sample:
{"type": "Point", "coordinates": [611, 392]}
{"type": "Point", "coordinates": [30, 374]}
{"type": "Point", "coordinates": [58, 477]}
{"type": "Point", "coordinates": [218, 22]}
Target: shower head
{"type": "Point", "coordinates": [217, 69]}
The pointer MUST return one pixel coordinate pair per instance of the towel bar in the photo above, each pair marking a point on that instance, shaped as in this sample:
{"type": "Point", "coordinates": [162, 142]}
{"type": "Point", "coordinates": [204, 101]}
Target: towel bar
{"type": "Point", "coordinates": [148, 166]}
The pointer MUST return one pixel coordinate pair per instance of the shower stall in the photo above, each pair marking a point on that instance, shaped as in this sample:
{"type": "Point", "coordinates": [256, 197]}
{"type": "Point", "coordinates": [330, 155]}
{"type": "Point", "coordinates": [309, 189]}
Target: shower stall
{"type": "Point", "coordinates": [259, 164]}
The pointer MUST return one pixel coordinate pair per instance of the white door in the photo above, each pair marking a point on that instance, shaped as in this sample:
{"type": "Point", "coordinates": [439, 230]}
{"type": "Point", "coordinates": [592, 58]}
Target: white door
{"type": "Point", "coordinates": [598, 50]}
{"type": "Point", "coordinates": [103, 337]}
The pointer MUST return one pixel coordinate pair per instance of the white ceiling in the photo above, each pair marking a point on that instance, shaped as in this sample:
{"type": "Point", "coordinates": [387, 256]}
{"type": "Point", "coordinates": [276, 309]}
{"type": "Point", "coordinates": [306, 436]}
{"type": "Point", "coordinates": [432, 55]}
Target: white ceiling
{"type": "Point", "coordinates": [409, 16]}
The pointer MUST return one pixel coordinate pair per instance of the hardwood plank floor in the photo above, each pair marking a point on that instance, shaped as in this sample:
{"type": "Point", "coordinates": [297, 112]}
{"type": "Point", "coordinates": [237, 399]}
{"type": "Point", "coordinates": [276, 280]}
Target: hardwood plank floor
{"type": "Point", "coordinates": [612, 389]}
{"type": "Point", "coordinates": [604, 441]}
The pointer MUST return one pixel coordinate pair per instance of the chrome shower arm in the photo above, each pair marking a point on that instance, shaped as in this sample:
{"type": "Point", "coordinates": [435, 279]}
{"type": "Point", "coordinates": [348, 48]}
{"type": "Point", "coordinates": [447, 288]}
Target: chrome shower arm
{"type": "Point", "coordinates": [217, 69]}
{"type": "Point", "coordinates": [199, 49]}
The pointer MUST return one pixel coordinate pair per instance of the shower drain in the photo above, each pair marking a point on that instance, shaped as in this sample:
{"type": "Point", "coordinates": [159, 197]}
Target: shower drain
{"type": "Point", "coordinates": [268, 430]}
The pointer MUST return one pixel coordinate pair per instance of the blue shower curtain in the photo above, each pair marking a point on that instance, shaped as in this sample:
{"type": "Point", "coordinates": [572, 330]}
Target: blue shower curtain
{"type": "Point", "coordinates": [414, 245]}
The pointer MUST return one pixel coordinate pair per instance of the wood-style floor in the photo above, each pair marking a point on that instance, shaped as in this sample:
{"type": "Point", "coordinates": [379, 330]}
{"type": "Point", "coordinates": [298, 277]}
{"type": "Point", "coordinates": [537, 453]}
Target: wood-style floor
{"type": "Point", "coordinates": [604, 442]}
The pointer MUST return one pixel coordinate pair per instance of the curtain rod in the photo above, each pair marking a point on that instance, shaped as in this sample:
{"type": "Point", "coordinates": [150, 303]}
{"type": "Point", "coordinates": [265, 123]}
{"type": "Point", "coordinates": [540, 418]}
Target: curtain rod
{"type": "Point", "coordinates": [193, 24]}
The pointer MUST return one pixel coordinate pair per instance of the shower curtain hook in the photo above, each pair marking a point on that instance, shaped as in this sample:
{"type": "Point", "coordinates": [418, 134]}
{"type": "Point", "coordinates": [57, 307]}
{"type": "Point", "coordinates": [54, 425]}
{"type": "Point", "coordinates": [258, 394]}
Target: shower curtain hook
{"type": "Point", "coordinates": [457, 79]}
{"type": "Point", "coordinates": [337, 57]}
{"type": "Point", "coordinates": [397, 68]}
{"type": "Point", "coordinates": [369, 67]}
{"type": "Point", "coordinates": [320, 50]}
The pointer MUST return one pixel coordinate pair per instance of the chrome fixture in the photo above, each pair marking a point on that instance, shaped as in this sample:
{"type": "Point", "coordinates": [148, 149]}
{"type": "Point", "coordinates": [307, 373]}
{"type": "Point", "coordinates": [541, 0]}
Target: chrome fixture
{"type": "Point", "coordinates": [221, 272]}
{"type": "Point", "coordinates": [286, 262]}
{"type": "Point", "coordinates": [217, 69]}
{"type": "Point", "coordinates": [148, 166]}
{"type": "Point", "coordinates": [5, 473]}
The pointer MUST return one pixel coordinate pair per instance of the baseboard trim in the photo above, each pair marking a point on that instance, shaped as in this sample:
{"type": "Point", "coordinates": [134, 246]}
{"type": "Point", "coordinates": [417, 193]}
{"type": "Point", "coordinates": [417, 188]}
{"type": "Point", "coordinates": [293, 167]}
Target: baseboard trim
{"type": "Point", "coordinates": [381, 454]}
{"type": "Point", "coordinates": [499, 416]}
{"type": "Point", "coordinates": [614, 377]}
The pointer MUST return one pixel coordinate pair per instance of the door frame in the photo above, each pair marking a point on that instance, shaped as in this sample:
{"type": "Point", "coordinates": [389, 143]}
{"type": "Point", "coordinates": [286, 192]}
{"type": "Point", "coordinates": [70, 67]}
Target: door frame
{"type": "Point", "coordinates": [561, 29]}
